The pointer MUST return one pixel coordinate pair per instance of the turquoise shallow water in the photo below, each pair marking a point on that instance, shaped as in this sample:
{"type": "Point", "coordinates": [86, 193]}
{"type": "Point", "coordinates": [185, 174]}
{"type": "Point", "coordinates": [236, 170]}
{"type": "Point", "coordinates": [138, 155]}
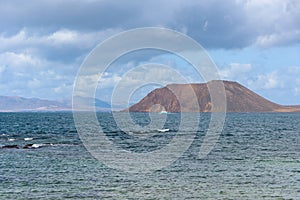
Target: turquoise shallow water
{"type": "Point", "coordinates": [257, 157]}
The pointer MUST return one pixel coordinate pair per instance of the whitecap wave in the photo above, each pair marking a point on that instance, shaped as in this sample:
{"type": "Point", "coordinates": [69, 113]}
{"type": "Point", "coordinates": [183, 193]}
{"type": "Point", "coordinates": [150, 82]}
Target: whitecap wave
{"type": "Point", "coordinates": [35, 146]}
{"type": "Point", "coordinates": [163, 130]}
{"type": "Point", "coordinates": [40, 145]}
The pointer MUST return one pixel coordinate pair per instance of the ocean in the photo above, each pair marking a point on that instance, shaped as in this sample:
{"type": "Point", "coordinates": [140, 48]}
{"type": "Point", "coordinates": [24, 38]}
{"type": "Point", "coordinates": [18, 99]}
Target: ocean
{"type": "Point", "coordinates": [257, 156]}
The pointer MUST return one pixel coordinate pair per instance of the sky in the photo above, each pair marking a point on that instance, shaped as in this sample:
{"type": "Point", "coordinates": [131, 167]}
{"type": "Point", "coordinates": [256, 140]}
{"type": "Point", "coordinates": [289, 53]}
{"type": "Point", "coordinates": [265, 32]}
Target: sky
{"type": "Point", "coordinates": [44, 42]}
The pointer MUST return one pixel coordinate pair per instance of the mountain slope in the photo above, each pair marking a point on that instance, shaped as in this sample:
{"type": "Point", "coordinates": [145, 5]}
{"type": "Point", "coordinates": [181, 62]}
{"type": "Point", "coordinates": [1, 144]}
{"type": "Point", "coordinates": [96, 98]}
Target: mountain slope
{"type": "Point", "coordinates": [8, 103]}
{"type": "Point", "coordinates": [238, 99]}
{"type": "Point", "coordinates": [17, 104]}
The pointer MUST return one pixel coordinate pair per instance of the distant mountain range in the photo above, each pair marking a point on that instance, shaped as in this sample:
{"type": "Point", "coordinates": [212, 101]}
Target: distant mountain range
{"type": "Point", "coordinates": [238, 99]}
{"type": "Point", "coordinates": [85, 102]}
{"type": "Point", "coordinates": [19, 104]}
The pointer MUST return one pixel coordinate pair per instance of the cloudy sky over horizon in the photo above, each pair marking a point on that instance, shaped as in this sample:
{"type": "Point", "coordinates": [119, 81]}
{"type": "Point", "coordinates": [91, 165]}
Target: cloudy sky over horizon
{"type": "Point", "coordinates": [254, 42]}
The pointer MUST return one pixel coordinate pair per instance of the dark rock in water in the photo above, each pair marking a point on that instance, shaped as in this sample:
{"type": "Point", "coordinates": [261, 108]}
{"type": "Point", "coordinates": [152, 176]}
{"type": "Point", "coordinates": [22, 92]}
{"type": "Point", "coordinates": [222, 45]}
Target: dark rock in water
{"type": "Point", "coordinates": [13, 146]}
{"type": "Point", "coordinates": [35, 146]}
{"type": "Point", "coordinates": [28, 146]}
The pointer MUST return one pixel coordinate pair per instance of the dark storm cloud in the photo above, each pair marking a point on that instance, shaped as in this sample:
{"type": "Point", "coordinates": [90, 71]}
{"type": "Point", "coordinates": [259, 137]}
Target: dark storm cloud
{"type": "Point", "coordinates": [66, 14]}
{"type": "Point", "coordinates": [89, 15]}
{"type": "Point", "coordinates": [215, 24]}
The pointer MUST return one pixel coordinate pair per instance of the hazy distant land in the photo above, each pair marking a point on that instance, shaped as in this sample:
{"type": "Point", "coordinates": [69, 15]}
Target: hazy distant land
{"type": "Point", "coordinates": [21, 104]}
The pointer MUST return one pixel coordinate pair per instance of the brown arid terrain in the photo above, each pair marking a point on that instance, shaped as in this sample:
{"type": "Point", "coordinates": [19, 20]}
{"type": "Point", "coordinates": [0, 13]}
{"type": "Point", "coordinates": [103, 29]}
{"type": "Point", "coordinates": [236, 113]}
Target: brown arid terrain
{"type": "Point", "coordinates": [238, 99]}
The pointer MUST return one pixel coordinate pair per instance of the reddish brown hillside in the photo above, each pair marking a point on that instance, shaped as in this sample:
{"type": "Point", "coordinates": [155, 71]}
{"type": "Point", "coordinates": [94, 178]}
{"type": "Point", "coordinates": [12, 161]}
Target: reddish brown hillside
{"type": "Point", "coordinates": [238, 99]}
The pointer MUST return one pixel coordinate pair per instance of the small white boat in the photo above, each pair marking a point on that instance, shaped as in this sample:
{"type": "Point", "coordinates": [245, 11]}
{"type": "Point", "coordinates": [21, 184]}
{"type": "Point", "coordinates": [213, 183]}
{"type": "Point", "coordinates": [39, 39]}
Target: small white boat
{"type": "Point", "coordinates": [163, 112]}
{"type": "Point", "coordinates": [163, 130]}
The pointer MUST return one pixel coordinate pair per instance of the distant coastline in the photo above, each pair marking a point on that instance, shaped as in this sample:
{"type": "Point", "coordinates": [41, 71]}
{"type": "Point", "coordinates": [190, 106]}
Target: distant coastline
{"type": "Point", "coordinates": [21, 104]}
{"type": "Point", "coordinates": [238, 99]}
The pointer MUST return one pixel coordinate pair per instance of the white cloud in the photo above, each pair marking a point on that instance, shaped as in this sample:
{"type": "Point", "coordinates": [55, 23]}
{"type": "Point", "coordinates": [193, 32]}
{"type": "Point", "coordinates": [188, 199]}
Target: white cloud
{"type": "Point", "coordinates": [14, 41]}
{"type": "Point", "coordinates": [276, 84]}
{"type": "Point", "coordinates": [63, 89]}
{"type": "Point", "coordinates": [281, 79]}
{"type": "Point", "coordinates": [63, 36]}
{"type": "Point", "coordinates": [29, 69]}
{"type": "Point", "coordinates": [86, 85]}
{"type": "Point", "coordinates": [145, 76]}
{"type": "Point", "coordinates": [277, 39]}
{"type": "Point", "coordinates": [140, 75]}
{"type": "Point", "coordinates": [81, 39]}
{"type": "Point", "coordinates": [268, 81]}
{"type": "Point", "coordinates": [19, 60]}
{"type": "Point", "coordinates": [77, 38]}
{"type": "Point", "coordinates": [235, 71]}
{"type": "Point", "coordinates": [274, 21]}
{"type": "Point", "coordinates": [108, 80]}
{"type": "Point", "coordinates": [23, 74]}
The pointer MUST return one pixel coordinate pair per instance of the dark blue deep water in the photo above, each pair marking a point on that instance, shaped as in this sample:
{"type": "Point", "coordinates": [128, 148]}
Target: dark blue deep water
{"type": "Point", "coordinates": [256, 157]}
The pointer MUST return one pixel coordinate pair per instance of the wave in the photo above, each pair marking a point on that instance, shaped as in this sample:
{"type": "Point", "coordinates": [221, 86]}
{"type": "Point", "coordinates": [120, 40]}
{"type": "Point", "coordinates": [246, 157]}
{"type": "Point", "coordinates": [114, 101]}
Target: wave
{"type": "Point", "coordinates": [14, 139]}
{"type": "Point", "coordinates": [27, 146]}
{"type": "Point", "coordinates": [35, 146]}
{"type": "Point", "coordinates": [24, 143]}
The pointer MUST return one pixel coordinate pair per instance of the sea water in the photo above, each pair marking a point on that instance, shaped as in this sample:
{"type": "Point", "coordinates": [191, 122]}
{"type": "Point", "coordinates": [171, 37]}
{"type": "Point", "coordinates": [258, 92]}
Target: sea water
{"type": "Point", "coordinates": [257, 156]}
